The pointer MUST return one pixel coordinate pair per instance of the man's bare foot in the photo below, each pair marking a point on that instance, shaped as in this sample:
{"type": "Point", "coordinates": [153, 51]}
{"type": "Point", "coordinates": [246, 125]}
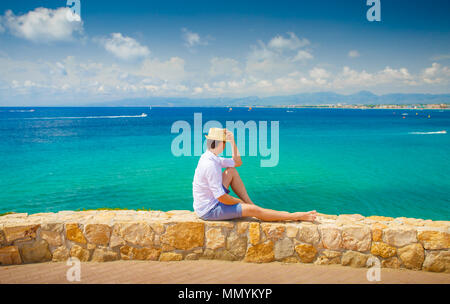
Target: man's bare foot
{"type": "Point", "coordinates": [309, 216]}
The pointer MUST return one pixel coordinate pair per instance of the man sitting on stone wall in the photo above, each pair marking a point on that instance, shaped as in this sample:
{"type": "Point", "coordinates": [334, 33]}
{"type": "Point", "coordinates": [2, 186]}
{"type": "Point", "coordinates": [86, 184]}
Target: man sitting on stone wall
{"type": "Point", "coordinates": [212, 200]}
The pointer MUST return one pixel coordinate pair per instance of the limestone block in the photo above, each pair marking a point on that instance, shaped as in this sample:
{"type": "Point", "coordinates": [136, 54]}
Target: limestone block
{"type": "Point", "coordinates": [23, 233]}
{"type": "Point", "coordinates": [254, 233]}
{"type": "Point", "coordinates": [434, 239]}
{"type": "Point", "coordinates": [306, 252]}
{"type": "Point", "coordinates": [356, 238]}
{"type": "Point", "coordinates": [80, 253]}
{"type": "Point", "coordinates": [74, 233]}
{"type": "Point", "coordinates": [354, 259]}
{"type": "Point", "coordinates": [437, 261]}
{"type": "Point", "coordinates": [283, 248]}
{"type": "Point", "coordinates": [184, 236]}
{"type": "Point", "coordinates": [98, 234]}
{"type": "Point", "coordinates": [308, 233]}
{"type": "Point", "coordinates": [60, 254]}
{"type": "Point", "coordinates": [10, 256]}
{"type": "Point", "coordinates": [36, 252]}
{"type": "Point", "coordinates": [260, 253]}
{"type": "Point", "coordinates": [383, 250]}
{"type": "Point", "coordinates": [103, 254]}
{"type": "Point", "coordinates": [331, 237]}
{"type": "Point", "coordinates": [215, 238]}
{"type": "Point", "coordinates": [52, 237]}
{"type": "Point", "coordinates": [412, 256]}
{"type": "Point", "coordinates": [170, 256]}
{"type": "Point", "coordinates": [399, 236]}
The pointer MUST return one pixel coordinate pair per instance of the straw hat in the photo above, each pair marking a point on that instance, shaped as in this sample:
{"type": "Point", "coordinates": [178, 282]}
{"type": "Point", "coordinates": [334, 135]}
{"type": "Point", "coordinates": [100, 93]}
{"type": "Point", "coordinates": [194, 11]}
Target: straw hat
{"type": "Point", "coordinates": [217, 134]}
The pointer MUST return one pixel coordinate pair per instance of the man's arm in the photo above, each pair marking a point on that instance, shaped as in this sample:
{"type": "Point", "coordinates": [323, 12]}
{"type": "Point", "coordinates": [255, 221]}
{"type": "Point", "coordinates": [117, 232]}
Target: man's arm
{"type": "Point", "coordinates": [236, 156]}
{"type": "Point", "coordinates": [229, 200]}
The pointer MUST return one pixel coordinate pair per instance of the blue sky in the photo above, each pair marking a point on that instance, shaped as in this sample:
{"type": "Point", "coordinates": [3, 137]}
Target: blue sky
{"type": "Point", "coordinates": [197, 49]}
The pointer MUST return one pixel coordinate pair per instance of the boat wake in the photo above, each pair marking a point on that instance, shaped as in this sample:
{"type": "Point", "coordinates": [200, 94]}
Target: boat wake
{"type": "Point", "coordinates": [426, 133]}
{"type": "Point", "coordinates": [91, 117]}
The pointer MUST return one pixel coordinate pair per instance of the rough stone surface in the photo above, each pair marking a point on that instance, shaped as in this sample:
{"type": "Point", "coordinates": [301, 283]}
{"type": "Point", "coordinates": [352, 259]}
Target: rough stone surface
{"type": "Point", "coordinates": [105, 235]}
{"type": "Point", "coordinates": [434, 239]}
{"type": "Point", "coordinates": [52, 237]}
{"type": "Point", "coordinates": [412, 256]}
{"type": "Point", "coordinates": [380, 218]}
{"type": "Point", "coordinates": [399, 237]}
{"type": "Point", "coordinates": [23, 233]}
{"type": "Point", "coordinates": [241, 227]}
{"type": "Point", "coordinates": [437, 261]}
{"type": "Point", "coordinates": [184, 235]}
{"type": "Point", "coordinates": [36, 252]}
{"type": "Point", "coordinates": [377, 231]}
{"type": "Point", "coordinates": [104, 255]}
{"type": "Point", "coordinates": [329, 257]}
{"type": "Point", "coordinates": [306, 252]}
{"type": "Point", "coordinates": [383, 250]}
{"type": "Point", "coordinates": [357, 238]}
{"type": "Point", "coordinates": [354, 259]}
{"type": "Point", "coordinates": [331, 237]}
{"type": "Point", "coordinates": [254, 233]}
{"type": "Point", "coordinates": [215, 238]}
{"type": "Point", "coordinates": [60, 254]}
{"type": "Point", "coordinates": [309, 234]}
{"type": "Point", "coordinates": [273, 232]}
{"type": "Point", "coordinates": [170, 256]}
{"type": "Point", "coordinates": [143, 254]}
{"type": "Point", "coordinates": [98, 234]}
{"type": "Point", "coordinates": [392, 262]}
{"type": "Point", "coordinates": [237, 244]}
{"type": "Point", "coordinates": [260, 253]}
{"type": "Point", "coordinates": [74, 233]}
{"type": "Point", "coordinates": [80, 253]}
{"type": "Point", "coordinates": [10, 256]}
{"type": "Point", "coordinates": [283, 248]}
{"type": "Point", "coordinates": [140, 234]}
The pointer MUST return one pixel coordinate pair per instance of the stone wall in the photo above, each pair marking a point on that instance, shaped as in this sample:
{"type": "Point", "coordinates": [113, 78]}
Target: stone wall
{"type": "Point", "coordinates": [103, 236]}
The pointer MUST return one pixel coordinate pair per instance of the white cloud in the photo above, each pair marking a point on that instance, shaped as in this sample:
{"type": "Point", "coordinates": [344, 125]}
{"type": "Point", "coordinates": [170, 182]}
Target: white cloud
{"type": "Point", "coordinates": [302, 55]}
{"type": "Point", "coordinates": [192, 39]}
{"type": "Point", "coordinates": [279, 57]}
{"type": "Point", "coordinates": [436, 74]}
{"type": "Point", "coordinates": [291, 43]}
{"type": "Point", "coordinates": [353, 54]}
{"type": "Point", "coordinates": [226, 67]}
{"type": "Point", "coordinates": [43, 25]}
{"type": "Point", "coordinates": [124, 47]}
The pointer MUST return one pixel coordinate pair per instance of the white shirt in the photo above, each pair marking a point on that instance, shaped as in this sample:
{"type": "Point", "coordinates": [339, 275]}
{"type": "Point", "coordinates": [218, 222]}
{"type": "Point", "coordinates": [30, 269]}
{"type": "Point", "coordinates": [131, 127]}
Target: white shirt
{"type": "Point", "coordinates": [207, 184]}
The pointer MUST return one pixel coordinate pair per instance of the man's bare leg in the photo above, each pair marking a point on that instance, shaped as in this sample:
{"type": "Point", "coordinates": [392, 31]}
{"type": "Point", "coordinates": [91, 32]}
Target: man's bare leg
{"type": "Point", "coordinates": [274, 215]}
{"type": "Point", "coordinates": [230, 177]}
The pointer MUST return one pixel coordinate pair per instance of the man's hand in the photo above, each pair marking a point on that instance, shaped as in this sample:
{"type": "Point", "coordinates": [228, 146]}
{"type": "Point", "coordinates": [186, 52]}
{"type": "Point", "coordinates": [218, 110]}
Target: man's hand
{"type": "Point", "coordinates": [229, 136]}
{"type": "Point", "coordinates": [236, 156]}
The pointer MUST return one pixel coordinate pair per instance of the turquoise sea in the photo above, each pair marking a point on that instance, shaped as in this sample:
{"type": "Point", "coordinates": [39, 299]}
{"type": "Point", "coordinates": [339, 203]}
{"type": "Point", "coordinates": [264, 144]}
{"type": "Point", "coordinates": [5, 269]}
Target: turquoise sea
{"type": "Point", "coordinates": [371, 162]}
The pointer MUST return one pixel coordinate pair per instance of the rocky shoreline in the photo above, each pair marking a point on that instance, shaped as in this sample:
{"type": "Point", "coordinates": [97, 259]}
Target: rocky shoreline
{"type": "Point", "coordinates": [347, 239]}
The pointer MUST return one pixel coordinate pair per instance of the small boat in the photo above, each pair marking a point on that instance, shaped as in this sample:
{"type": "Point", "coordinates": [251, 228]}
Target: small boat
{"type": "Point", "coordinates": [404, 113]}
{"type": "Point", "coordinates": [289, 111]}
{"type": "Point", "coordinates": [143, 115]}
{"type": "Point", "coordinates": [230, 109]}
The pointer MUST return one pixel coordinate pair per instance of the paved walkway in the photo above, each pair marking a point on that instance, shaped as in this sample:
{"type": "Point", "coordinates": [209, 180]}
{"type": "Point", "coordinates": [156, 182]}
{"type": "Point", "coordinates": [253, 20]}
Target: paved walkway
{"type": "Point", "coordinates": [206, 271]}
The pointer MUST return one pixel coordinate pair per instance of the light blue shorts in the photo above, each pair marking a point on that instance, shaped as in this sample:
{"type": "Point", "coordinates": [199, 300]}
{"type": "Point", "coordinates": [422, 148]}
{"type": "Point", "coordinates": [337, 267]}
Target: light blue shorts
{"type": "Point", "coordinates": [223, 212]}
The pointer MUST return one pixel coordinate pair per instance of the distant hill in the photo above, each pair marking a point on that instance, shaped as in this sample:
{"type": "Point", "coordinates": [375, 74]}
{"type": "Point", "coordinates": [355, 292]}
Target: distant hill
{"type": "Point", "coordinates": [319, 98]}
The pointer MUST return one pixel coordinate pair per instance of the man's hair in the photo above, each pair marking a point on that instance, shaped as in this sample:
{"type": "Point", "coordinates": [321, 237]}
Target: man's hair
{"type": "Point", "coordinates": [212, 144]}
